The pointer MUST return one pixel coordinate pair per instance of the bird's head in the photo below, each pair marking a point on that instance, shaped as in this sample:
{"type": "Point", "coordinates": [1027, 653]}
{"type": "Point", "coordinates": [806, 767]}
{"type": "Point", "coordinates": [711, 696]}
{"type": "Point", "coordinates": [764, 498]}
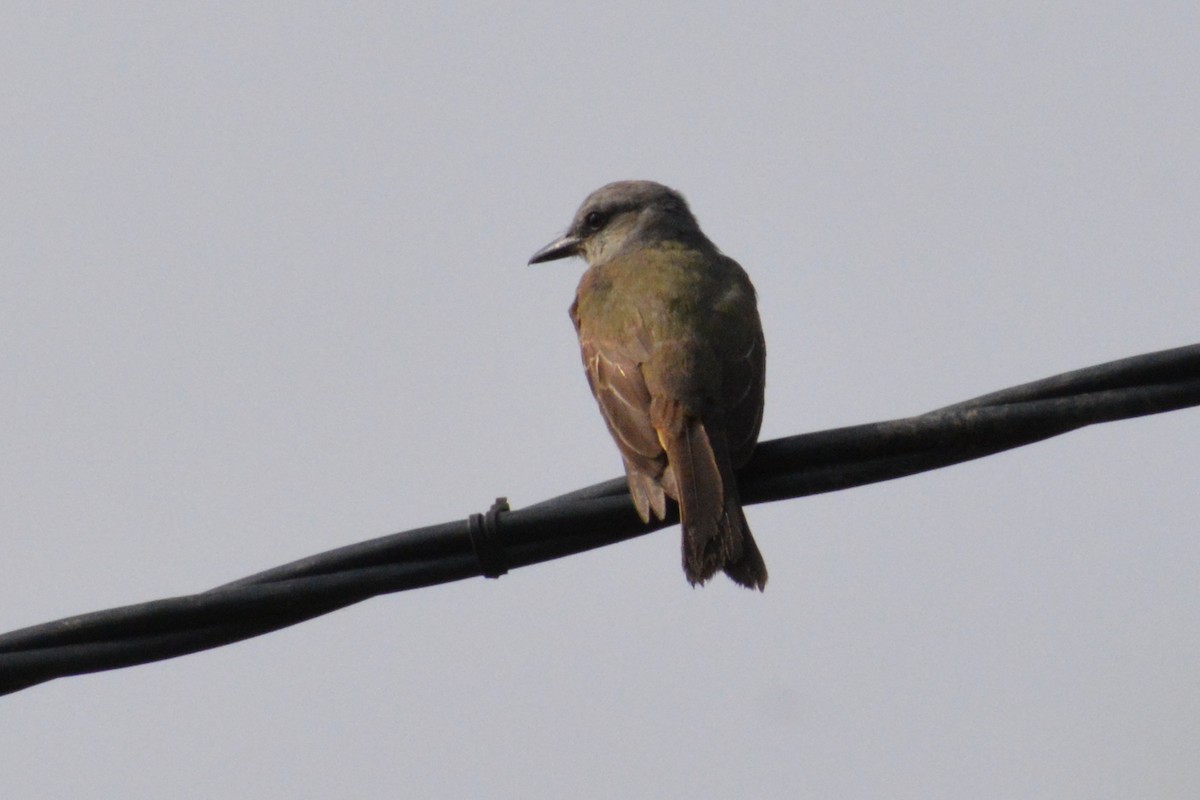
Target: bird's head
{"type": "Point", "coordinates": [621, 216]}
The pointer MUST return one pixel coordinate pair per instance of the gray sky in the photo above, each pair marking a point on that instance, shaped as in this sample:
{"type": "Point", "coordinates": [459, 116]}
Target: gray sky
{"type": "Point", "coordinates": [263, 293]}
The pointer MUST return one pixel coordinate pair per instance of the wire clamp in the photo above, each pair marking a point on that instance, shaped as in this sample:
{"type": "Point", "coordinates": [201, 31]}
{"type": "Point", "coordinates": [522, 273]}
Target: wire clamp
{"type": "Point", "coordinates": [485, 539]}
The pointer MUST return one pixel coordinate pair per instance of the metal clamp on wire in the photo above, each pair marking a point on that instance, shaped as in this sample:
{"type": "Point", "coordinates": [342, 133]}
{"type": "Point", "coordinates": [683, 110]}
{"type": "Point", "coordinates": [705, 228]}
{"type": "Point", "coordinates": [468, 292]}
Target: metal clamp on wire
{"type": "Point", "coordinates": [485, 538]}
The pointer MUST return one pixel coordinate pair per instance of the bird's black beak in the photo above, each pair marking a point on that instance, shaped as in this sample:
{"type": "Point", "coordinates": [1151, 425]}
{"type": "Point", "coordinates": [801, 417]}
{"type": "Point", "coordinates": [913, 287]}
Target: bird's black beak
{"type": "Point", "coordinates": [562, 247]}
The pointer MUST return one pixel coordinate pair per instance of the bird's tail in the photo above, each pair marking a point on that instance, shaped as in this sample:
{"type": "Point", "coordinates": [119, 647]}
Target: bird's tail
{"type": "Point", "coordinates": [749, 569]}
{"type": "Point", "coordinates": [716, 535]}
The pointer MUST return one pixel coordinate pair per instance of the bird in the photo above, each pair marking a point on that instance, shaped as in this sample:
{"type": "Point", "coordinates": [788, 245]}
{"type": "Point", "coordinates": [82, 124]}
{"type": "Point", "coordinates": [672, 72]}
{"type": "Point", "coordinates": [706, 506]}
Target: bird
{"type": "Point", "coordinates": [674, 353]}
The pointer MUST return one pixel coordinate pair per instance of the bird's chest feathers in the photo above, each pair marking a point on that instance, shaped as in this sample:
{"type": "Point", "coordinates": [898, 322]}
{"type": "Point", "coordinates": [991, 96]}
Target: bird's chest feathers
{"type": "Point", "coordinates": [661, 292]}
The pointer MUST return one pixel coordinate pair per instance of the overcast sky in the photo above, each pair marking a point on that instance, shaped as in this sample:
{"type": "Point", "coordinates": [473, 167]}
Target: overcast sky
{"type": "Point", "coordinates": [263, 292]}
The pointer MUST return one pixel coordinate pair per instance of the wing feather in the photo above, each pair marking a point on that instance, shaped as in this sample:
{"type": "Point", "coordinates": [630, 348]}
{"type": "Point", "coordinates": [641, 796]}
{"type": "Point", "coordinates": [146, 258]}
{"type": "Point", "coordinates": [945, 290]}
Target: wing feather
{"type": "Point", "coordinates": [620, 389]}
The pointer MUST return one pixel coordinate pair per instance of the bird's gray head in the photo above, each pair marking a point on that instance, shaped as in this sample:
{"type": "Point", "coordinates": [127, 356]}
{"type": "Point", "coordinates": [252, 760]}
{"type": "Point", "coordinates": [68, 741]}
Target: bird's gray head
{"type": "Point", "coordinates": [623, 215]}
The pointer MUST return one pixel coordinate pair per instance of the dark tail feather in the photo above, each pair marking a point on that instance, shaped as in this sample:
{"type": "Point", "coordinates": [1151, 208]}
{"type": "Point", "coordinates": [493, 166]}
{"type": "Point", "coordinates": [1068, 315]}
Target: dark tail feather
{"type": "Point", "coordinates": [697, 484]}
{"type": "Point", "coordinates": [715, 533]}
{"type": "Point", "coordinates": [748, 569]}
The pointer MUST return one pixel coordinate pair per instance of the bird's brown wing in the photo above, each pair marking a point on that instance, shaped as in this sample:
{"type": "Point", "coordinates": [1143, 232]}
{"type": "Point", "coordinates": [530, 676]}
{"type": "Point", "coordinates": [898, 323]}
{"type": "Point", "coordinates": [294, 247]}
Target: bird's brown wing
{"type": "Point", "coordinates": [615, 376]}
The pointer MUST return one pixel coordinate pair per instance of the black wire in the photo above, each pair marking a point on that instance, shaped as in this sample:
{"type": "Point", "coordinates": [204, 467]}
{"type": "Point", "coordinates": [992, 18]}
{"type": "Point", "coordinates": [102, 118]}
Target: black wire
{"type": "Point", "coordinates": [591, 517]}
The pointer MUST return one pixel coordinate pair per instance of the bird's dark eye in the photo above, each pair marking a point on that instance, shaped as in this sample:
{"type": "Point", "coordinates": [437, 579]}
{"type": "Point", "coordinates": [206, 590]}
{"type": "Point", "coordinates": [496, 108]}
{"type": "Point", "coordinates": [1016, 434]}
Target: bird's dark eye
{"type": "Point", "coordinates": [595, 220]}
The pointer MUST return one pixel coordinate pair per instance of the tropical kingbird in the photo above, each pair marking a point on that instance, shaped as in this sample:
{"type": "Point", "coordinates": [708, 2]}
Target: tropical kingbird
{"type": "Point", "coordinates": [674, 353]}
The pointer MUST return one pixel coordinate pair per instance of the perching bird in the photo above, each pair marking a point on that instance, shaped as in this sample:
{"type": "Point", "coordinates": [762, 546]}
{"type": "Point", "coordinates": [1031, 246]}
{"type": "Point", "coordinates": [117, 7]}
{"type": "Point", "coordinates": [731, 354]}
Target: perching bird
{"type": "Point", "coordinates": [674, 353]}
